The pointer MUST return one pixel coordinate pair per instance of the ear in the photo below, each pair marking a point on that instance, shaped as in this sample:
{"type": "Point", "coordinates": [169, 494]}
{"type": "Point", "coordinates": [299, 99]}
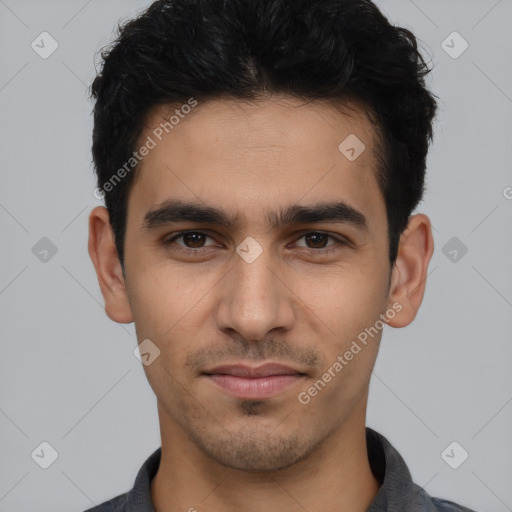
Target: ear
{"type": "Point", "coordinates": [103, 253]}
{"type": "Point", "coordinates": [409, 275]}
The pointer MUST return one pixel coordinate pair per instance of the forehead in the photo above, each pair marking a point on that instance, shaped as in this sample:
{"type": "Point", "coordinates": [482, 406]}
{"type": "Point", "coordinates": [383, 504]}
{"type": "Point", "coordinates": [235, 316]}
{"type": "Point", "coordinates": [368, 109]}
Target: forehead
{"type": "Point", "coordinates": [261, 154]}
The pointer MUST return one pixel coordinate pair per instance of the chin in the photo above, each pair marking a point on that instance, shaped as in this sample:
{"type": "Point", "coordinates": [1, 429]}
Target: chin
{"type": "Point", "coordinates": [253, 449]}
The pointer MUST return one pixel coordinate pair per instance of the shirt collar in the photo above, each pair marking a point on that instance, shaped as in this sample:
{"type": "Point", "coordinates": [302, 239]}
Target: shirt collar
{"type": "Point", "coordinates": [397, 492]}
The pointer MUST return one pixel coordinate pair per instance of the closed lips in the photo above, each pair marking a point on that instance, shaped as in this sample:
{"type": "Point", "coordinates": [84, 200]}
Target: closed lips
{"type": "Point", "coordinates": [267, 370]}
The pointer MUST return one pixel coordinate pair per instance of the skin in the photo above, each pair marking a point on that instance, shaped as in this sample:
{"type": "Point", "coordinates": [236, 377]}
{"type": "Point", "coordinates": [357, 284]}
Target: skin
{"type": "Point", "coordinates": [301, 302]}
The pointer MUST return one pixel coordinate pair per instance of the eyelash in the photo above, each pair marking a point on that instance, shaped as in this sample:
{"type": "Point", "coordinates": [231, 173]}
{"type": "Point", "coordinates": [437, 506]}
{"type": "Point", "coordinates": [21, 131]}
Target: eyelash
{"type": "Point", "coordinates": [320, 251]}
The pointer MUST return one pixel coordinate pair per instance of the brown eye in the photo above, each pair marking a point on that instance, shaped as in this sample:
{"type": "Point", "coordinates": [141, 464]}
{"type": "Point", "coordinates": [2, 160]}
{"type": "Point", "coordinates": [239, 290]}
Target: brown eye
{"type": "Point", "coordinates": [316, 240]}
{"type": "Point", "coordinates": [190, 240]}
{"type": "Point", "coordinates": [319, 243]}
{"type": "Point", "coordinates": [194, 240]}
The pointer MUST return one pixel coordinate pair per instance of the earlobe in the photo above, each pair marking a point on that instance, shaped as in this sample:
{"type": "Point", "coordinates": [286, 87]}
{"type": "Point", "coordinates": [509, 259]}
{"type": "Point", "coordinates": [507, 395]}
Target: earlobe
{"type": "Point", "coordinates": [408, 278]}
{"type": "Point", "coordinates": [103, 253]}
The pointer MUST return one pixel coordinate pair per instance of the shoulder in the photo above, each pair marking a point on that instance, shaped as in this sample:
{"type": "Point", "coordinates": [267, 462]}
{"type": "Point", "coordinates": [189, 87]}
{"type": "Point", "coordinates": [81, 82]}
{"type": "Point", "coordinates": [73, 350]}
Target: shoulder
{"type": "Point", "coordinates": [117, 504]}
{"type": "Point", "coordinates": [139, 497]}
{"type": "Point", "coordinates": [449, 506]}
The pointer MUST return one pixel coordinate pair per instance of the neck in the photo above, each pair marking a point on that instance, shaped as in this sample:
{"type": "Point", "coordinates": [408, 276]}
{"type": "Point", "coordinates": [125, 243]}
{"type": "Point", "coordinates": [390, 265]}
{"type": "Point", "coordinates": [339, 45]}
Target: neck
{"type": "Point", "coordinates": [335, 477]}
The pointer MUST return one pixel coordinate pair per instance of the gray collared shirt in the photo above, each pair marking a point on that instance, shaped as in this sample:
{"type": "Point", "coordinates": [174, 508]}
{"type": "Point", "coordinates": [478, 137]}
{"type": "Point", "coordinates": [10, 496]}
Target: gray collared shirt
{"type": "Point", "coordinates": [397, 493]}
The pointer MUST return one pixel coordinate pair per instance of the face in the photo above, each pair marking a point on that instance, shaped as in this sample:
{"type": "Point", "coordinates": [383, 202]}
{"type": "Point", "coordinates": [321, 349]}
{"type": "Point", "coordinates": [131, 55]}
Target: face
{"type": "Point", "coordinates": [252, 239]}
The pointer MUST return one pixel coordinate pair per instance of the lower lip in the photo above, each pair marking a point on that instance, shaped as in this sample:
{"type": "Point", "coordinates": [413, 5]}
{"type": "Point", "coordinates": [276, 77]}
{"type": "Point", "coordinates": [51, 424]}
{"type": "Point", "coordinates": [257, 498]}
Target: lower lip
{"type": "Point", "coordinates": [253, 388]}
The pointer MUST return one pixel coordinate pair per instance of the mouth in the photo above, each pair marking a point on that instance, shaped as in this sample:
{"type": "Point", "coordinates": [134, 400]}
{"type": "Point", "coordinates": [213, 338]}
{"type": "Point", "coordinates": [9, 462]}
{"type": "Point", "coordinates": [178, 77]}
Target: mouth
{"type": "Point", "coordinates": [246, 382]}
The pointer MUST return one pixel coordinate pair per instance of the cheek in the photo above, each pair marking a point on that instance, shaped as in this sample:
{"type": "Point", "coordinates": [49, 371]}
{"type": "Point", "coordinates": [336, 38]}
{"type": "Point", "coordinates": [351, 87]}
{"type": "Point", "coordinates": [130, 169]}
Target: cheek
{"type": "Point", "coordinates": [348, 311]}
{"type": "Point", "coordinates": [346, 300]}
{"type": "Point", "coordinates": [174, 311]}
{"type": "Point", "coordinates": [161, 299]}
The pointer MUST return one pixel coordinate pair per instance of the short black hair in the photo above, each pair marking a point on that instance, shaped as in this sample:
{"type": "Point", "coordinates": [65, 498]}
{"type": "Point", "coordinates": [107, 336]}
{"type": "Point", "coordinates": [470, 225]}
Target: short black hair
{"type": "Point", "coordinates": [181, 50]}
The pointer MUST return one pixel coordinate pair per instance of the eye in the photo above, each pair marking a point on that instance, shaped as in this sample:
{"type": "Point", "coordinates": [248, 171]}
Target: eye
{"type": "Point", "coordinates": [190, 240]}
{"type": "Point", "coordinates": [314, 242]}
{"type": "Point", "coordinates": [318, 240]}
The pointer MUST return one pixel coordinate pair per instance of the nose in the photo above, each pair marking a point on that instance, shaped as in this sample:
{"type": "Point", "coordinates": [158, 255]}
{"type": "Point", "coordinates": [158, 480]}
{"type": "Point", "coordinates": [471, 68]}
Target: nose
{"type": "Point", "coordinates": [255, 299]}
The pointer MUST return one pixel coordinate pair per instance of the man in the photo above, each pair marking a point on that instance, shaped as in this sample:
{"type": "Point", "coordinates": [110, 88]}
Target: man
{"type": "Point", "coordinates": [260, 163]}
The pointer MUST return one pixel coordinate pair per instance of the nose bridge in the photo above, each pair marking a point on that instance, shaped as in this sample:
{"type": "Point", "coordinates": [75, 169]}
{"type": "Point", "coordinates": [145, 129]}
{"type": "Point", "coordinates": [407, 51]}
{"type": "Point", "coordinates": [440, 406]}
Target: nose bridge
{"type": "Point", "coordinates": [254, 289]}
{"type": "Point", "coordinates": [253, 301]}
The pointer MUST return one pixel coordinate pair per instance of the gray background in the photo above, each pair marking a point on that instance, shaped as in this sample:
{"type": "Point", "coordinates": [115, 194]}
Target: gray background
{"type": "Point", "coordinates": [68, 374]}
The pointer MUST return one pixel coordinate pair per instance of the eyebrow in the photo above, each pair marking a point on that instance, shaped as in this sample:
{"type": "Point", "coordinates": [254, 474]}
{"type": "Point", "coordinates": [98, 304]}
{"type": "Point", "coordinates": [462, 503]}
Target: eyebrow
{"type": "Point", "coordinates": [170, 212]}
